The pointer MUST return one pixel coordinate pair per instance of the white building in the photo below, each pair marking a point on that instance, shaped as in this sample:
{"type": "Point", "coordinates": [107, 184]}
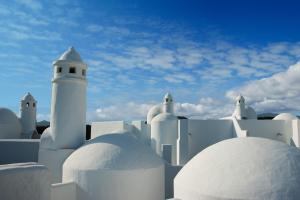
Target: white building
{"type": "Point", "coordinates": [12, 127]}
{"type": "Point", "coordinates": [68, 113]}
{"type": "Point", "coordinates": [166, 156]}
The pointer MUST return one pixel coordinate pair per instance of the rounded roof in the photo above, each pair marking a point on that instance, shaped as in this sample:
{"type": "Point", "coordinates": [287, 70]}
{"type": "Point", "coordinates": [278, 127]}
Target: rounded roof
{"type": "Point", "coordinates": [242, 168]}
{"type": "Point", "coordinates": [164, 117]}
{"type": "Point", "coordinates": [240, 98]}
{"type": "Point", "coordinates": [71, 55]}
{"type": "Point", "coordinates": [154, 111]}
{"type": "Point", "coordinates": [10, 125]}
{"type": "Point", "coordinates": [285, 116]}
{"type": "Point", "coordinates": [116, 151]}
{"type": "Point", "coordinates": [8, 117]}
{"type": "Point", "coordinates": [28, 97]}
{"type": "Point", "coordinates": [168, 98]}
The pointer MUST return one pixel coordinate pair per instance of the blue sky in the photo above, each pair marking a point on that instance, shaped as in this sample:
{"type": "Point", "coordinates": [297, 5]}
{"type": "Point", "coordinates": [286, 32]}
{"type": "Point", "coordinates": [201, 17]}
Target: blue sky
{"type": "Point", "coordinates": [203, 52]}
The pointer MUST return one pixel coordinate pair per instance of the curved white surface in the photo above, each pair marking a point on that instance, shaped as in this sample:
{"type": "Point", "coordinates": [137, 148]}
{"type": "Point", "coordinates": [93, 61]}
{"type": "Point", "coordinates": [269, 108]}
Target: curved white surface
{"type": "Point", "coordinates": [68, 101]}
{"type": "Point", "coordinates": [10, 126]}
{"type": "Point", "coordinates": [28, 97]}
{"type": "Point", "coordinates": [241, 168]}
{"type": "Point", "coordinates": [28, 115]}
{"type": "Point", "coordinates": [285, 116]}
{"type": "Point", "coordinates": [26, 181]}
{"type": "Point", "coordinates": [154, 111]}
{"type": "Point", "coordinates": [116, 151]}
{"type": "Point", "coordinates": [114, 167]}
{"type": "Point", "coordinates": [71, 55]}
{"type": "Point", "coordinates": [164, 130]}
{"type": "Point", "coordinates": [7, 116]}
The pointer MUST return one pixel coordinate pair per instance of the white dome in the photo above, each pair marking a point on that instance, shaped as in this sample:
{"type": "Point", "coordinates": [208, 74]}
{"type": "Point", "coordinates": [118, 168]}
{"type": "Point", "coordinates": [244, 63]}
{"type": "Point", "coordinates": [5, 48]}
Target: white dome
{"type": "Point", "coordinates": [168, 98]}
{"type": "Point", "coordinates": [164, 117]}
{"type": "Point", "coordinates": [116, 161]}
{"type": "Point", "coordinates": [164, 130]}
{"type": "Point", "coordinates": [240, 98]}
{"type": "Point", "coordinates": [28, 98]}
{"type": "Point", "coordinates": [154, 111]}
{"type": "Point", "coordinates": [285, 116]}
{"type": "Point", "coordinates": [241, 168]}
{"type": "Point", "coordinates": [10, 126]}
{"type": "Point", "coordinates": [71, 55]}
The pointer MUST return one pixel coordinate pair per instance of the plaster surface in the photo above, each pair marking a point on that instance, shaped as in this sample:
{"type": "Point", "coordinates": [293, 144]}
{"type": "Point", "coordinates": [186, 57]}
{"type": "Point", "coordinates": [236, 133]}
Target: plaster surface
{"type": "Point", "coordinates": [241, 168]}
{"type": "Point", "coordinates": [115, 162]}
{"type": "Point", "coordinates": [26, 181]}
{"type": "Point", "coordinates": [18, 150]}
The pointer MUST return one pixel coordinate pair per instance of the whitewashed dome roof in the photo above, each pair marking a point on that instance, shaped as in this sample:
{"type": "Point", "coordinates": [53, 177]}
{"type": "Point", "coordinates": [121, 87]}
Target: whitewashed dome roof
{"type": "Point", "coordinates": [28, 97]}
{"type": "Point", "coordinates": [71, 55]}
{"type": "Point", "coordinates": [8, 117]}
{"type": "Point", "coordinates": [163, 117]}
{"type": "Point", "coordinates": [241, 168]}
{"type": "Point", "coordinates": [168, 97]}
{"type": "Point", "coordinates": [240, 98]}
{"type": "Point", "coordinates": [116, 151]}
{"type": "Point", "coordinates": [285, 116]}
{"type": "Point", "coordinates": [10, 126]}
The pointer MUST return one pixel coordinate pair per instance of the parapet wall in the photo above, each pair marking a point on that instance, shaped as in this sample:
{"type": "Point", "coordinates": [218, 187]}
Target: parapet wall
{"type": "Point", "coordinates": [279, 130]}
{"type": "Point", "coordinates": [102, 128]}
{"type": "Point", "coordinates": [203, 133]}
{"type": "Point", "coordinates": [18, 150]}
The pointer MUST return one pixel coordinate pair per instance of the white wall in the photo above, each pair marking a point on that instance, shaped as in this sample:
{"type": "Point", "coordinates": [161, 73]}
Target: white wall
{"type": "Point", "coordinates": [142, 130]}
{"type": "Point", "coordinates": [102, 128]}
{"type": "Point", "coordinates": [54, 160]}
{"type": "Point", "coordinates": [182, 142]}
{"type": "Point", "coordinates": [170, 172]}
{"type": "Point", "coordinates": [26, 181]}
{"type": "Point", "coordinates": [237, 130]}
{"type": "Point", "coordinates": [135, 184]}
{"type": "Point", "coordinates": [63, 191]}
{"type": "Point", "coordinates": [68, 112]}
{"type": "Point", "coordinates": [296, 133]}
{"type": "Point", "coordinates": [272, 129]}
{"type": "Point", "coordinates": [203, 133]}
{"type": "Point", "coordinates": [18, 150]}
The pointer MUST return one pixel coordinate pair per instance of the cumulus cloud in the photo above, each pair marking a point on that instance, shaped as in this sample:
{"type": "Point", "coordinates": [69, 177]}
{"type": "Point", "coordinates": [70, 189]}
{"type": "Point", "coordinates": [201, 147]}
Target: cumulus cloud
{"type": "Point", "coordinates": [279, 92]}
{"type": "Point", "coordinates": [179, 78]}
{"type": "Point", "coordinates": [128, 111]}
{"type": "Point", "coordinates": [206, 108]}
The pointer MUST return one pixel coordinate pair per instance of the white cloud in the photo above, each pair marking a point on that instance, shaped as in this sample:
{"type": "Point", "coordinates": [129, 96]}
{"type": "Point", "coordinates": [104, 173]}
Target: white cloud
{"type": "Point", "coordinates": [207, 108]}
{"type": "Point", "coordinates": [32, 4]}
{"type": "Point", "coordinates": [41, 117]}
{"type": "Point", "coordinates": [94, 28]}
{"type": "Point", "coordinates": [109, 30]}
{"type": "Point", "coordinates": [279, 92]}
{"type": "Point", "coordinates": [180, 78]}
{"type": "Point", "coordinates": [127, 111]}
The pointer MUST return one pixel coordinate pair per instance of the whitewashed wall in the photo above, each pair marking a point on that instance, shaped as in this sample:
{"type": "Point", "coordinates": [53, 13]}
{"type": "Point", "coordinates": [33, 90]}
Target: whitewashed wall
{"type": "Point", "coordinates": [18, 150]}
{"type": "Point", "coordinates": [26, 181]}
{"type": "Point", "coordinates": [63, 191]}
{"type": "Point", "coordinates": [203, 133]}
{"type": "Point", "coordinates": [102, 128]}
{"type": "Point", "coordinates": [272, 129]}
{"type": "Point", "coordinates": [54, 160]}
{"type": "Point", "coordinates": [142, 130]}
{"type": "Point", "coordinates": [296, 133]}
